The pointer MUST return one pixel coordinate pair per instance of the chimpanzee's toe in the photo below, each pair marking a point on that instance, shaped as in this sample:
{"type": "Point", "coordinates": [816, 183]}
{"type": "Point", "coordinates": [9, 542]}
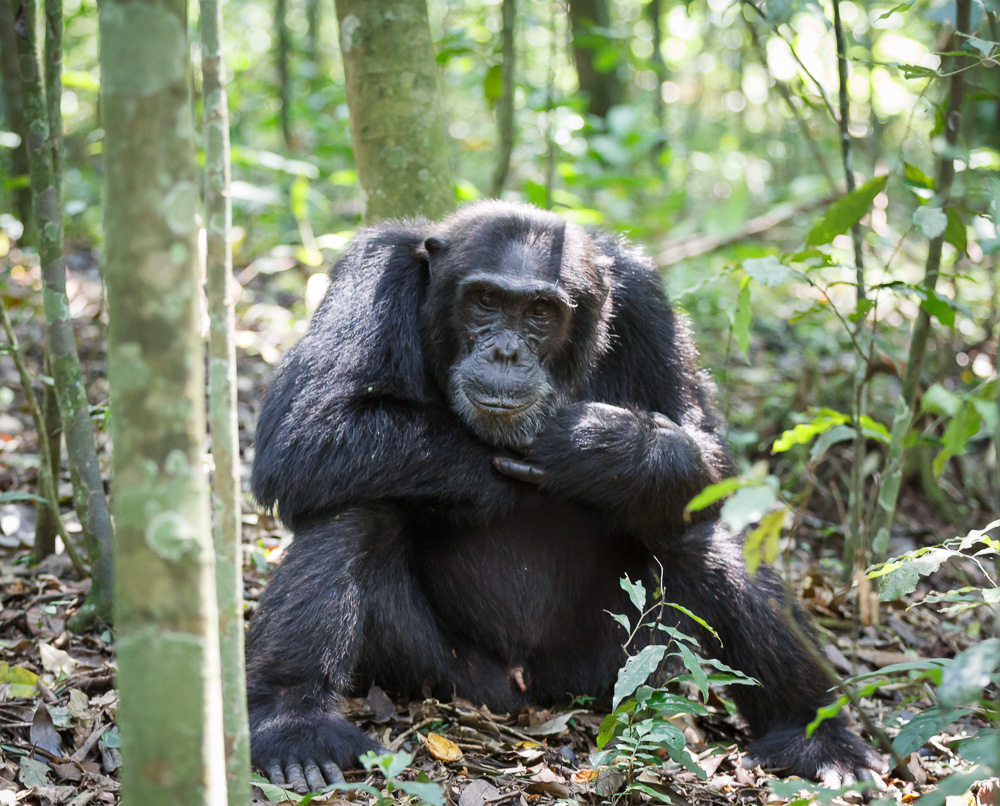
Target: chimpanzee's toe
{"type": "Point", "coordinates": [832, 756]}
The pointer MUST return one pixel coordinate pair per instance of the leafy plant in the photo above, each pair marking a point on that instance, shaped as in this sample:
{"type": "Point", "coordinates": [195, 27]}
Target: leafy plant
{"type": "Point", "coordinates": [637, 735]}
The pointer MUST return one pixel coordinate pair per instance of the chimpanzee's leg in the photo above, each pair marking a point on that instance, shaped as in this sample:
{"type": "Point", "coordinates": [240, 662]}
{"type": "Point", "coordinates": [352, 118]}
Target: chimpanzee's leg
{"type": "Point", "coordinates": [342, 595]}
{"type": "Point", "coordinates": [706, 573]}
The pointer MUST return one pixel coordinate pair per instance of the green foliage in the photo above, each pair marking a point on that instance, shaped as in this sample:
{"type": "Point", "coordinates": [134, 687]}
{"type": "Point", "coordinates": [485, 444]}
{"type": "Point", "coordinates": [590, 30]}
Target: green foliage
{"type": "Point", "coordinates": [845, 212]}
{"type": "Point", "coordinates": [637, 734]}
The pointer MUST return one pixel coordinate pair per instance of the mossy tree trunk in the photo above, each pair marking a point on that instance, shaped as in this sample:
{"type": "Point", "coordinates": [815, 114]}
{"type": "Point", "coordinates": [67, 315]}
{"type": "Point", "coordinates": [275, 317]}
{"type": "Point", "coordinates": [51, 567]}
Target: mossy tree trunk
{"type": "Point", "coordinates": [397, 123]}
{"type": "Point", "coordinates": [165, 604]}
{"type": "Point", "coordinates": [89, 499]}
{"type": "Point", "coordinates": [222, 406]}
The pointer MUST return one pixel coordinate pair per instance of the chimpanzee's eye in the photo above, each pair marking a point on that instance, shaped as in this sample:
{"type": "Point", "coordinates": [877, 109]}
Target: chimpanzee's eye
{"type": "Point", "coordinates": [488, 300]}
{"type": "Point", "coordinates": [541, 309]}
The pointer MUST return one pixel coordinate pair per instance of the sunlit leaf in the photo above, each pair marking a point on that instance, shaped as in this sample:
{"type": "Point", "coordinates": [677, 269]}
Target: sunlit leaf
{"type": "Point", "coordinates": [845, 212]}
{"type": "Point", "coordinates": [712, 493]}
{"type": "Point", "coordinates": [762, 542]}
{"type": "Point", "coordinates": [747, 506]}
{"type": "Point", "coordinates": [968, 674]}
{"type": "Point", "coordinates": [767, 270]}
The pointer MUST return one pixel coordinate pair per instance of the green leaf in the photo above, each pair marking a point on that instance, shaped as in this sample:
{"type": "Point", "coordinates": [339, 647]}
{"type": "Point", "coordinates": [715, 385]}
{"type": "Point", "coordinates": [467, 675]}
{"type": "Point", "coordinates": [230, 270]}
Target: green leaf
{"type": "Point", "coordinates": [914, 177]}
{"type": "Point", "coordinates": [767, 270]}
{"type": "Point", "coordinates": [938, 400]}
{"type": "Point", "coordinates": [900, 576]}
{"type": "Point", "coordinates": [845, 212]}
{"type": "Point", "coordinates": [954, 232]}
{"type": "Point", "coordinates": [957, 433]}
{"type": "Point", "coordinates": [22, 681]}
{"type": "Point", "coordinates": [931, 221]}
{"type": "Point", "coordinates": [762, 542]}
{"type": "Point", "coordinates": [938, 306]}
{"type": "Point", "coordinates": [429, 793]}
{"type": "Point", "coordinates": [623, 620]}
{"type": "Point", "coordinates": [743, 317]}
{"type": "Point", "coordinates": [984, 46]}
{"type": "Point", "coordinates": [965, 679]}
{"type": "Point", "coordinates": [493, 84]}
{"type": "Point", "coordinates": [825, 712]}
{"type": "Point", "coordinates": [748, 506]}
{"type": "Point", "coordinates": [916, 71]}
{"type": "Point", "coordinates": [14, 495]}
{"type": "Point", "coordinates": [915, 733]}
{"type": "Point", "coordinates": [901, 7]}
{"type": "Point", "coordinates": [697, 619]}
{"type": "Point", "coordinates": [636, 592]}
{"type": "Point", "coordinates": [636, 671]}
{"type": "Point", "coordinates": [712, 493]}
{"type": "Point", "coordinates": [613, 721]}
{"type": "Point", "coordinates": [697, 675]}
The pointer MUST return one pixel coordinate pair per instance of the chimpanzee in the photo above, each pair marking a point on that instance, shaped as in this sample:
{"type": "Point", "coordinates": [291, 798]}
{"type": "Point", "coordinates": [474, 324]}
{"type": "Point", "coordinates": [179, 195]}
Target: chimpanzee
{"type": "Point", "coordinates": [490, 421]}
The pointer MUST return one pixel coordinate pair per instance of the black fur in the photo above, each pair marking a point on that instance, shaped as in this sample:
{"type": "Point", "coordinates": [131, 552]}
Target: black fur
{"type": "Point", "coordinates": [418, 566]}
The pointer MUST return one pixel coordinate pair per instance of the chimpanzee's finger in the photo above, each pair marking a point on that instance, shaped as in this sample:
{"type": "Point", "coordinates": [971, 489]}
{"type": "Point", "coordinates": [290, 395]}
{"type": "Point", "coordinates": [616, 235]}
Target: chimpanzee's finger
{"type": "Point", "coordinates": [518, 469]}
{"type": "Point", "coordinates": [313, 776]}
{"type": "Point", "coordinates": [274, 773]}
{"type": "Point", "coordinates": [296, 780]}
{"type": "Point", "coordinates": [663, 422]}
{"type": "Point", "coordinates": [332, 773]}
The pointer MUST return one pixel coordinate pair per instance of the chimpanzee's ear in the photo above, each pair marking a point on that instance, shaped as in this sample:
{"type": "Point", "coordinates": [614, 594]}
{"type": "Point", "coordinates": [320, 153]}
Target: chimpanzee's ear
{"type": "Point", "coordinates": [433, 247]}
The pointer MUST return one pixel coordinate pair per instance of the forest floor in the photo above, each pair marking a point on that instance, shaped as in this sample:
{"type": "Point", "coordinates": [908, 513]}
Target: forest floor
{"type": "Point", "coordinates": [58, 742]}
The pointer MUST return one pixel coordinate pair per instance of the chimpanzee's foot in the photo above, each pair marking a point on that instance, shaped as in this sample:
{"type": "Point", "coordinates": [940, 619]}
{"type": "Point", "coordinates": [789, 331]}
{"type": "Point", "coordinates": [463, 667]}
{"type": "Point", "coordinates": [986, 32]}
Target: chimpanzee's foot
{"type": "Point", "coordinates": [306, 751]}
{"type": "Point", "coordinates": [832, 756]}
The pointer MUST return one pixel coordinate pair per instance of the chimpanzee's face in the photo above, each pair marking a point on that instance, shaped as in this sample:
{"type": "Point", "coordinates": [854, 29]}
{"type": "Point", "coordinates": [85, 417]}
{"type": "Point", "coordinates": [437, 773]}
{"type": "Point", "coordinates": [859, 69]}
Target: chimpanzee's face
{"type": "Point", "coordinates": [511, 323]}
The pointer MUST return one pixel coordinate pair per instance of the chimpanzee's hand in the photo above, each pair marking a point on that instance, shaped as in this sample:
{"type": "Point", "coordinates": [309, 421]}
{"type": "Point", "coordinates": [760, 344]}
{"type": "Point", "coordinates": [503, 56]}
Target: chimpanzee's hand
{"type": "Point", "coordinates": [603, 454]}
{"type": "Point", "coordinates": [307, 751]}
{"type": "Point", "coordinates": [833, 756]}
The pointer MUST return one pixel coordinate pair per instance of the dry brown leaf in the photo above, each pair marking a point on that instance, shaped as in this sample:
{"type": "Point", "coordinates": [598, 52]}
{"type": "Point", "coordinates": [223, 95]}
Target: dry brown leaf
{"type": "Point", "coordinates": [584, 776]}
{"type": "Point", "coordinates": [443, 749]}
{"type": "Point", "coordinates": [56, 661]}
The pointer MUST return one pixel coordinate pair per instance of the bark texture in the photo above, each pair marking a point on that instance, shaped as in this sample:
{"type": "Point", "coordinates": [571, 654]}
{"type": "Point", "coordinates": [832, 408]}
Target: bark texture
{"type": "Point", "coordinates": [397, 123]}
{"type": "Point", "coordinates": [165, 605]}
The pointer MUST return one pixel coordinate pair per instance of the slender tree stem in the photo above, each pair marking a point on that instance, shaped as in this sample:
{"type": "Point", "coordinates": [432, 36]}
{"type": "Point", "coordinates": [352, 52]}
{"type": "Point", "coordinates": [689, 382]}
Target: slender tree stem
{"type": "Point", "coordinates": [89, 499]}
{"type": "Point", "coordinates": [892, 473]}
{"type": "Point", "coordinates": [222, 406]}
{"type": "Point", "coordinates": [46, 481]}
{"type": "Point", "coordinates": [505, 109]}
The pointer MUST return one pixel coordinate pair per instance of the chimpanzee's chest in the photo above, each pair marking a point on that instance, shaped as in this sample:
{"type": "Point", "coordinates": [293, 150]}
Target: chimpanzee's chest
{"type": "Point", "coordinates": [527, 579]}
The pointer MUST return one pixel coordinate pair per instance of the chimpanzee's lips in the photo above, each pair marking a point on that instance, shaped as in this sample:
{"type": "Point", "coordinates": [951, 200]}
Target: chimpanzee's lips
{"type": "Point", "coordinates": [500, 406]}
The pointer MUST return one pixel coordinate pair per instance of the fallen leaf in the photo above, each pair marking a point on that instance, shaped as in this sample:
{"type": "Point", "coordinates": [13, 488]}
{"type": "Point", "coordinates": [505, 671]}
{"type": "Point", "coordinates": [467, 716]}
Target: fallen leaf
{"type": "Point", "coordinates": [56, 661]}
{"type": "Point", "coordinates": [478, 793]}
{"type": "Point", "coordinates": [43, 732]}
{"type": "Point", "coordinates": [79, 708]}
{"type": "Point", "coordinates": [443, 749]}
{"type": "Point", "coordinates": [381, 706]}
{"type": "Point", "coordinates": [22, 681]}
{"type": "Point", "coordinates": [32, 773]}
{"type": "Point", "coordinates": [584, 776]}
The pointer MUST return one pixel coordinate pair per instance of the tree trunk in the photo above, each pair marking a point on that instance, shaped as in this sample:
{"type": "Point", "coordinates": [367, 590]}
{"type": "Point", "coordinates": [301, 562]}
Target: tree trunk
{"type": "Point", "coordinates": [165, 604]}
{"type": "Point", "coordinates": [602, 87]}
{"type": "Point", "coordinates": [13, 108]}
{"type": "Point", "coordinates": [505, 109]}
{"type": "Point", "coordinates": [88, 489]}
{"type": "Point", "coordinates": [222, 407]}
{"type": "Point", "coordinates": [397, 126]}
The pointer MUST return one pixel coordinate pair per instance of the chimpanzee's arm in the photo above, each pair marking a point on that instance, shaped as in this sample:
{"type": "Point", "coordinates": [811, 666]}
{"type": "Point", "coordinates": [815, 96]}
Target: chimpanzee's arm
{"type": "Point", "coordinates": [643, 440]}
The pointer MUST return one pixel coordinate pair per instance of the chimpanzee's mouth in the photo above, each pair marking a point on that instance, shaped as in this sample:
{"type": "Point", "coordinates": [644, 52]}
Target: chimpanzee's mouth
{"type": "Point", "coordinates": [501, 406]}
